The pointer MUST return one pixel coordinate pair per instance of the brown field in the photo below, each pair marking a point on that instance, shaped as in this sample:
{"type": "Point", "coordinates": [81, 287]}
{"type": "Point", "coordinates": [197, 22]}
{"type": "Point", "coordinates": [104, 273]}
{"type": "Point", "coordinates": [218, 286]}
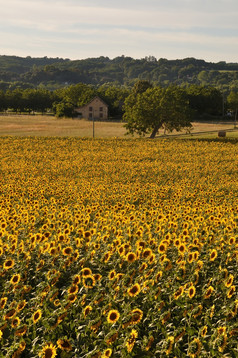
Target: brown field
{"type": "Point", "coordinates": [37, 125]}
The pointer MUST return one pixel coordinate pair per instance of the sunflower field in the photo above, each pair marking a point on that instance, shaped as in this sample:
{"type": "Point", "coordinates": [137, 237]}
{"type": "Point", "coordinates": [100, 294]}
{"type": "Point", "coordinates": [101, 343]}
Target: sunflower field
{"type": "Point", "coordinates": [118, 247]}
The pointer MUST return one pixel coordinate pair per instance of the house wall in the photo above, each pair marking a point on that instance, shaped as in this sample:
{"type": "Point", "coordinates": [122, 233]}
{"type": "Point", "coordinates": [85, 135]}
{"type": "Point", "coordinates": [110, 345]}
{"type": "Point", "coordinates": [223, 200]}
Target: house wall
{"type": "Point", "coordinates": [95, 109]}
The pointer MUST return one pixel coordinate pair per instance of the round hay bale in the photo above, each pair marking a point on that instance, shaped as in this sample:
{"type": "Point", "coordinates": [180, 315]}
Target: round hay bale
{"type": "Point", "coordinates": [222, 134]}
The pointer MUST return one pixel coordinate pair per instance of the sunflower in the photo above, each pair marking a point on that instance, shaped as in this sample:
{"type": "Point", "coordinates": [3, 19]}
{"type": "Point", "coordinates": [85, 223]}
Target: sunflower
{"type": "Point", "coordinates": [121, 250]}
{"type": "Point", "coordinates": [112, 275]}
{"type": "Point", "coordinates": [195, 255]}
{"type": "Point", "coordinates": [87, 310]}
{"type": "Point", "coordinates": [8, 264]}
{"type": "Point", "coordinates": [21, 305]}
{"type": "Point", "coordinates": [36, 316]}
{"type": "Point", "coordinates": [76, 279]}
{"type": "Point", "coordinates": [223, 343]}
{"type": "Point", "coordinates": [3, 302]}
{"type": "Point", "coordinates": [149, 343]}
{"type": "Point", "coordinates": [72, 298]}
{"type": "Point", "coordinates": [64, 345]}
{"type": "Point", "coordinates": [134, 290]}
{"type": "Point", "coordinates": [162, 248]}
{"type": "Point", "coordinates": [67, 251]}
{"type": "Point", "coordinates": [151, 259]}
{"type": "Point", "coordinates": [15, 279]}
{"type": "Point", "coordinates": [191, 291]}
{"type": "Point", "coordinates": [136, 316]}
{"type": "Point", "coordinates": [158, 276]}
{"type": "Point", "coordinates": [56, 302]}
{"type": "Point", "coordinates": [10, 314]}
{"type": "Point", "coordinates": [21, 331]}
{"type": "Point", "coordinates": [178, 293]}
{"type": "Point", "coordinates": [15, 322]}
{"type": "Point", "coordinates": [204, 331]}
{"type": "Point", "coordinates": [86, 271]}
{"type": "Point", "coordinates": [22, 346]}
{"type": "Point", "coordinates": [147, 253]}
{"type": "Point", "coordinates": [221, 330]}
{"type": "Point", "coordinates": [182, 249]}
{"type": "Point", "coordinates": [190, 257]}
{"type": "Point", "coordinates": [89, 281]}
{"type": "Point", "coordinates": [198, 311]}
{"type": "Point", "coordinates": [97, 276]}
{"type": "Point", "coordinates": [53, 251]}
{"type": "Point", "coordinates": [194, 348]}
{"type": "Point", "coordinates": [231, 291]}
{"type": "Point", "coordinates": [143, 267]}
{"type": "Point", "coordinates": [107, 353]}
{"type": "Point", "coordinates": [130, 257]}
{"type": "Point", "coordinates": [73, 289]}
{"type": "Point", "coordinates": [48, 351]}
{"type": "Point", "coordinates": [199, 264]}
{"type": "Point", "coordinates": [131, 340]}
{"type": "Point", "coordinates": [209, 292]}
{"type": "Point", "coordinates": [177, 242]}
{"type": "Point", "coordinates": [232, 240]}
{"type": "Point", "coordinates": [180, 334]}
{"type": "Point", "coordinates": [213, 255]}
{"type": "Point", "coordinates": [170, 342]}
{"type": "Point", "coordinates": [113, 316]}
{"type": "Point", "coordinates": [166, 317]}
{"type": "Point", "coordinates": [229, 281]}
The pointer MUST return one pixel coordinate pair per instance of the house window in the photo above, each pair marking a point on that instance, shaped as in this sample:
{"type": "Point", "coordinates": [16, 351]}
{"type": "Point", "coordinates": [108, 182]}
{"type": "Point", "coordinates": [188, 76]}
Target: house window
{"type": "Point", "coordinates": [90, 109]}
{"type": "Point", "coordinates": [101, 109]}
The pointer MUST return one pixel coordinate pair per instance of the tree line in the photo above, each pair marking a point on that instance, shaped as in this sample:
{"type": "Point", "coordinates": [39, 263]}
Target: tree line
{"type": "Point", "coordinates": [144, 106]}
{"type": "Point", "coordinates": [54, 73]}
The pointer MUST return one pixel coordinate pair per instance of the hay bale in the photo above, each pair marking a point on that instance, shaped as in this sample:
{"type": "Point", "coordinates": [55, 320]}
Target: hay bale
{"type": "Point", "coordinates": [222, 134]}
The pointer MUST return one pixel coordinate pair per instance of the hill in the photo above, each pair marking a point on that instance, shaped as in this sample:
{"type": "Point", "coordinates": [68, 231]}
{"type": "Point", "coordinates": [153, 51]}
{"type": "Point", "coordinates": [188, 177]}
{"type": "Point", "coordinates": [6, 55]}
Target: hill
{"type": "Point", "coordinates": [52, 73]}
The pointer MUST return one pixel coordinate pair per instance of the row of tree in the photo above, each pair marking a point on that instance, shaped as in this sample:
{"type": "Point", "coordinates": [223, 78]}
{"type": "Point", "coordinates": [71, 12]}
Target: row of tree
{"type": "Point", "coordinates": [144, 107]}
{"type": "Point", "coordinates": [53, 73]}
{"type": "Point", "coordinates": [149, 108]}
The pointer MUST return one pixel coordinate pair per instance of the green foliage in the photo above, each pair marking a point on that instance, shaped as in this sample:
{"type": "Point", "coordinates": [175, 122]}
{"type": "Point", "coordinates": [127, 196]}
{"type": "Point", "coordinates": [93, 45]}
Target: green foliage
{"type": "Point", "coordinates": [205, 99]}
{"type": "Point", "coordinates": [232, 100]}
{"type": "Point", "coordinates": [63, 109]}
{"type": "Point", "coordinates": [52, 73]}
{"type": "Point", "coordinates": [156, 107]}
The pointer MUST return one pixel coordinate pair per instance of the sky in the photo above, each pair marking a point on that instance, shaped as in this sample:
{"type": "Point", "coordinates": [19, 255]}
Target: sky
{"type": "Point", "coordinates": [79, 29]}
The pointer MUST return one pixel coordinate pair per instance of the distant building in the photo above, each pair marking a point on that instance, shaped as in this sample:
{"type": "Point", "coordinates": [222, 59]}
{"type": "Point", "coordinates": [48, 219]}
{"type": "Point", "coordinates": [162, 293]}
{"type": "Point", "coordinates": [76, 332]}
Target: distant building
{"type": "Point", "coordinates": [95, 109]}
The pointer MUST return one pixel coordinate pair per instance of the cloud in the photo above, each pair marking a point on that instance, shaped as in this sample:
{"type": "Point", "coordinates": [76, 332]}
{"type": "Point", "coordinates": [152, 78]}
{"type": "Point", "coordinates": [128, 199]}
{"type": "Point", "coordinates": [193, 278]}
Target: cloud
{"type": "Point", "coordinates": [110, 27]}
{"type": "Point", "coordinates": [58, 15]}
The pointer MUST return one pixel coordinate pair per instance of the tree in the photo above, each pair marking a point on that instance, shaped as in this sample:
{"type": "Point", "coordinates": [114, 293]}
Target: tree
{"type": "Point", "coordinates": [2, 101]}
{"type": "Point", "coordinates": [141, 86]}
{"type": "Point", "coordinates": [63, 109]}
{"type": "Point", "coordinates": [148, 111]}
{"type": "Point", "coordinates": [115, 97]}
{"type": "Point", "coordinates": [232, 101]}
{"type": "Point", "coordinates": [205, 100]}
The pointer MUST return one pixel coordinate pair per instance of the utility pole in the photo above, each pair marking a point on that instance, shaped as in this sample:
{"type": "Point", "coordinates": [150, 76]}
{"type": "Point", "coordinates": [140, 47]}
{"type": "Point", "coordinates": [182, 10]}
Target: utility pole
{"type": "Point", "coordinates": [93, 126]}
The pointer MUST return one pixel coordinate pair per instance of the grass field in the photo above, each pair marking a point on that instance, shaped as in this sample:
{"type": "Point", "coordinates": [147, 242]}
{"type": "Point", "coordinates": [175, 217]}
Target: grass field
{"type": "Point", "coordinates": [24, 125]}
{"type": "Point", "coordinates": [118, 248]}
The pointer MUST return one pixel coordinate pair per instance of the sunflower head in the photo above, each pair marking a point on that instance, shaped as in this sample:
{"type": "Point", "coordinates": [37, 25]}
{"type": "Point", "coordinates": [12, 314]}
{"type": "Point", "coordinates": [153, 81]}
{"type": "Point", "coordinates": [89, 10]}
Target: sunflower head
{"type": "Point", "coordinates": [8, 264]}
{"type": "Point", "coordinates": [36, 316]}
{"type": "Point", "coordinates": [134, 290]}
{"type": "Point", "coordinates": [113, 316]}
{"type": "Point", "coordinates": [48, 351]}
{"type": "Point", "coordinates": [64, 344]}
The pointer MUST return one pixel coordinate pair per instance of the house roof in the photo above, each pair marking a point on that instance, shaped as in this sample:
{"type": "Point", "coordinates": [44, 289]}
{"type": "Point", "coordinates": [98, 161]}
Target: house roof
{"type": "Point", "coordinates": [92, 100]}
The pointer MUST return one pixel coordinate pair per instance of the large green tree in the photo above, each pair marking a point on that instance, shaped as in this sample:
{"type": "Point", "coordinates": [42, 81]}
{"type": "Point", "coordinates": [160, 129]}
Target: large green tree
{"type": "Point", "coordinates": [232, 101]}
{"type": "Point", "coordinates": [155, 108]}
{"type": "Point", "coordinates": [205, 100]}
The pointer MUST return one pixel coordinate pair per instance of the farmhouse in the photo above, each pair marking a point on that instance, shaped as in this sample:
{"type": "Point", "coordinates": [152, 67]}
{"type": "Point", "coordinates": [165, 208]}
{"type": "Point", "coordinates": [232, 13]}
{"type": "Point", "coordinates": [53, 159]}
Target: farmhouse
{"type": "Point", "coordinates": [95, 109]}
